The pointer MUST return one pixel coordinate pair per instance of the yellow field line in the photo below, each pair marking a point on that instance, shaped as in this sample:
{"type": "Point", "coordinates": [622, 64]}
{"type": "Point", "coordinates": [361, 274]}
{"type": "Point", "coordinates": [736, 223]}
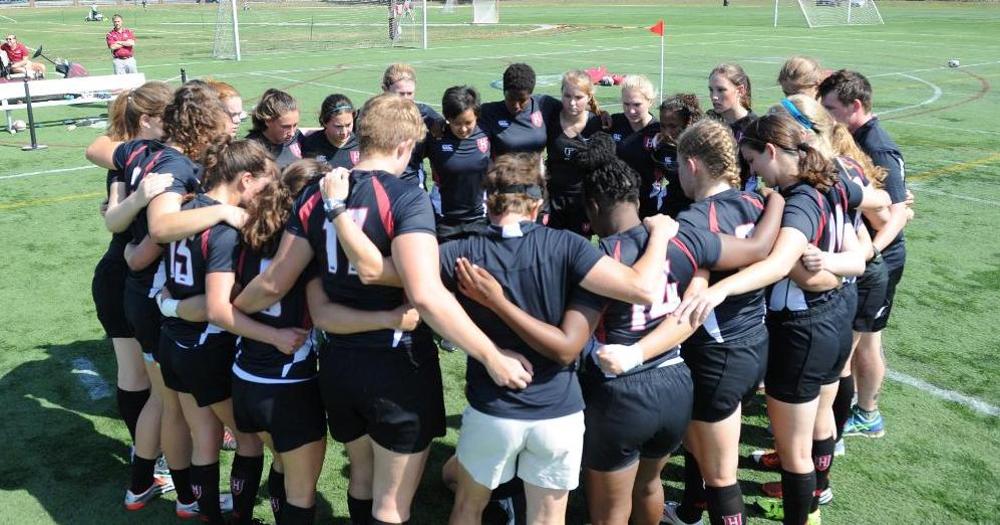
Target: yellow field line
{"type": "Point", "coordinates": [958, 167]}
{"type": "Point", "coordinates": [49, 200]}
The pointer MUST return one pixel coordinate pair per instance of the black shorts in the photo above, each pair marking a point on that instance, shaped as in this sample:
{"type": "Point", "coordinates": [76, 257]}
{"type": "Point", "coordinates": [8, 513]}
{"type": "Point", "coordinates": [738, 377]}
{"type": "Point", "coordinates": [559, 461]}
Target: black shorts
{"type": "Point", "coordinates": [144, 317]}
{"type": "Point", "coordinates": [393, 395]}
{"type": "Point", "coordinates": [448, 230]}
{"type": "Point", "coordinates": [639, 415]}
{"type": "Point", "coordinates": [725, 373]}
{"type": "Point", "coordinates": [872, 287]}
{"type": "Point", "coordinates": [108, 290]}
{"type": "Point", "coordinates": [292, 413]}
{"type": "Point", "coordinates": [882, 315]}
{"type": "Point", "coordinates": [203, 371]}
{"type": "Point", "coordinates": [807, 349]}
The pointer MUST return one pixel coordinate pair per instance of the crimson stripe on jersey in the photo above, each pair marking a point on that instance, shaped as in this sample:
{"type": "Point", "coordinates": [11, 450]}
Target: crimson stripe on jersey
{"type": "Point", "coordinates": [384, 208]}
{"type": "Point", "coordinates": [713, 219]}
{"type": "Point", "coordinates": [822, 217]}
{"type": "Point", "coordinates": [205, 236]}
{"type": "Point", "coordinates": [149, 166]}
{"type": "Point", "coordinates": [306, 210]}
{"type": "Point", "coordinates": [618, 251]}
{"type": "Point", "coordinates": [687, 252]}
{"type": "Point", "coordinates": [756, 203]}
{"type": "Point", "coordinates": [240, 262]}
{"type": "Point", "coordinates": [134, 154]}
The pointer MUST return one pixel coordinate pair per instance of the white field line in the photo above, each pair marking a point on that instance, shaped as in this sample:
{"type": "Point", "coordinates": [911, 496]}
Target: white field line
{"type": "Point", "coordinates": [933, 98]}
{"type": "Point", "coordinates": [920, 188]}
{"type": "Point", "coordinates": [973, 403]}
{"type": "Point", "coordinates": [937, 126]}
{"type": "Point", "coordinates": [11, 20]}
{"type": "Point", "coordinates": [96, 386]}
{"type": "Point", "coordinates": [46, 172]}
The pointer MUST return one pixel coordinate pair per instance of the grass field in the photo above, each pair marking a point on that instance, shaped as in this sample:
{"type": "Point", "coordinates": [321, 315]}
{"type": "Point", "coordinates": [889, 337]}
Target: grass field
{"type": "Point", "coordinates": [63, 458]}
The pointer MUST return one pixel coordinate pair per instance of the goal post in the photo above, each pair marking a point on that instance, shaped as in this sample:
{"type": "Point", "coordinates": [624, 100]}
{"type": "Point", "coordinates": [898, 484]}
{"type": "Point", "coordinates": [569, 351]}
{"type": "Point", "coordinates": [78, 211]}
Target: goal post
{"type": "Point", "coordinates": [227, 32]}
{"type": "Point", "coordinates": [485, 11]}
{"type": "Point", "coordinates": [824, 13]}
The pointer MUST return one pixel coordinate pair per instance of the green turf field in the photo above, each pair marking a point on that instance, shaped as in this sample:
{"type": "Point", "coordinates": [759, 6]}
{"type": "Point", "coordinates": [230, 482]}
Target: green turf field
{"type": "Point", "coordinates": [63, 454]}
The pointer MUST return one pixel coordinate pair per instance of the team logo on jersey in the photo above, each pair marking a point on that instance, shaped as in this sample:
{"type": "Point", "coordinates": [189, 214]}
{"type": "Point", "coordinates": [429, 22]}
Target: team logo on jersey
{"type": "Point", "coordinates": [295, 149]}
{"type": "Point", "coordinates": [650, 143]}
{"type": "Point", "coordinates": [536, 119]}
{"type": "Point", "coordinates": [483, 144]}
{"type": "Point", "coordinates": [617, 137]}
{"type": "Point", "coordinates": [447, 147]}
{"type": "Point", "coordinates": [355, 156]}
{"type": "Point", "coordinates": [503, 123]}
{"type": "Point", "coordinates": [568, 153]}
{"type": "Point", "coordinates": [320, 158]}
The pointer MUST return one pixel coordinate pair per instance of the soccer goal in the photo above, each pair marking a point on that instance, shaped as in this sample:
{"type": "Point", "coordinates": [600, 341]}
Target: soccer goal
{"type": "Point", "coordinates": [485, 11]}
{"type": "Point", "coordinates": [822, 13]}
{"type": "Point", "coordinates": [314, 26]}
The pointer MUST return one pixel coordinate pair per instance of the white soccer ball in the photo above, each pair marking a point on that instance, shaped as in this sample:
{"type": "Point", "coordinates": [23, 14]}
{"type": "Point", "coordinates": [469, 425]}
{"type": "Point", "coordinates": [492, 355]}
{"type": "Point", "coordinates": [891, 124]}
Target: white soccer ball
{"type": "Point", "coordinates": [19, 125]}
{"type": "Point", "coordinates": [954, 63]}
{"type": "Point", "coordinates": [606, 80]}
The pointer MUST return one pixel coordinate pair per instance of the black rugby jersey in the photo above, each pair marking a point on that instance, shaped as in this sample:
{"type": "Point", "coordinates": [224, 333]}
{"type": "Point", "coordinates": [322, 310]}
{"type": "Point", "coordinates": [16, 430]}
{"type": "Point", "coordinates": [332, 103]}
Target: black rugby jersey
{"type": "Point", "coordinates": [316, 146]}
{"type": "Point", "coordinates": [260, 362]}
{"type": "Point", "coordinates": [116, 248]}
{"type": "Point", "coordinates": [563, 176]}
{"type": "Point", "coordinates": [136, 159]}
{"type": "Point", "coordinates": [735, 213]}
{"type": "Point", "coordinates": [524, 132]}
{"type": "Point", "coordinates": [187, 262]}
{"type": "Point", "coordinates": [459, 167]}
{"type": "Point", "coordinates": [625, 324]}
{"type": "Point", "coordinates": [876, 142]}
{"type": "Point", "coordinates": [284, 154]}
{"type": "Point", "coordinates": [539, 268]}
{"type": "Point", "coordinates": [621, 129]}
{"type": "Point", "coordinates": [414, 172]}
{"type": "Point", "coordinates": [384, 207]}
{"type": "Point", "coordinates": [822, 218]}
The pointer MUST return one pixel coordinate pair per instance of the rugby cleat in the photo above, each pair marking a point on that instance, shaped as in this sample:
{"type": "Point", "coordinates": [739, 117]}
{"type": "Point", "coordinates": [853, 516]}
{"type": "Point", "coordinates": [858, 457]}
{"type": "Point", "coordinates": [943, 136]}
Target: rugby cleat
{"type": "Point", "coordinates": [767, 459]}
{"type": "Point", "coordinates": [138, 501]}
{"type": "Point", "coordinates": [670, 515]}
{"type": "Point", "coordinates": [774, 510]}
{"type": "Point", "coordinates": [190, 510]}
{"type": "Point", "coordinates": [772, 489]}
{"type": "Point", "coordinates": [839, 449]}
{"type": "Point", "coordinates": [860, 424]}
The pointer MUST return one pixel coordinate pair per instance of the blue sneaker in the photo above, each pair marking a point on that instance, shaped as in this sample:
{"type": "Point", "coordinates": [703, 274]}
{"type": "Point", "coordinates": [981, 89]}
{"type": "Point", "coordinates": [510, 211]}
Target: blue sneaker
{"type": "Point", "coordinates": [864, 424]}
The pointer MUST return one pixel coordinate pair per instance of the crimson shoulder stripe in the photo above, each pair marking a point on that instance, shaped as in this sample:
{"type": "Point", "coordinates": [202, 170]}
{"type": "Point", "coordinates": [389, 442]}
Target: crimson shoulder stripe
{"type": "Point", "coordinates": [306, 210]}
{"type": "Point", "coordinates": [687, 252]}
{"type": "Point", "coordinates": [384, 207]}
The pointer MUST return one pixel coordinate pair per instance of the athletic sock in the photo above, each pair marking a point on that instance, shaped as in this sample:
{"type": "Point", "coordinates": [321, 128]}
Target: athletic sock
{"type": "Point", "coordinates": [205, 486]}
{"type": "Point", "coordinates": [725, 505]}
{"type": "Point", "coordinates": [244, 482]}
{"type": "Point", "coordinates": [292, 515]}
{"type": "Point", "coordinates": [376, 521]}
{"type": "Point", "coordinates": [842, 404]}
{"type": "Point", "coordinates": [360, 510]}
{"type": "Point", "coordinates": [182, 484]}
{"type": "Point", "coordinates": [130, 403]}
{"type": "Point", "coordinates": [822, 461]}
{"type": "Point", "coordinates": [693, 500]}
{"type": "Point", "coordinates": [797, 493]}
{"type": "Point", "coordinates": [142, 474]}
{"type": "Point", "coordinates": [276, 491]}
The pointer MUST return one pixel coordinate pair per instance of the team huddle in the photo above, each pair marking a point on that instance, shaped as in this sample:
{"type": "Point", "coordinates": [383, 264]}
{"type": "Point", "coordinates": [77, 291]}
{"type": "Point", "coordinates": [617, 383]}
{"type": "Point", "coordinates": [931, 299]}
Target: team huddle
{"type": "Point", "coordinates": [290, 284]}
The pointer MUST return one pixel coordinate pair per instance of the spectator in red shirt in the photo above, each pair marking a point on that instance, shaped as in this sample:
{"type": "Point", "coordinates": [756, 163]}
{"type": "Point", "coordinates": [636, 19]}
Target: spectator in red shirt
{"type": "Point", "coordinates": [120, 42]}
{"type": "Point", "coordinates": [18, 55]}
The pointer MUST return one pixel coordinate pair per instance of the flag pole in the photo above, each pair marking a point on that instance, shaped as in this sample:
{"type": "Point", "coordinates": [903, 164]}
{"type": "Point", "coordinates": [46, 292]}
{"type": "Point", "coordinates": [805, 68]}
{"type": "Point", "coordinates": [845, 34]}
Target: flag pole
{"type": "Point", "coordinates": [662, 38]}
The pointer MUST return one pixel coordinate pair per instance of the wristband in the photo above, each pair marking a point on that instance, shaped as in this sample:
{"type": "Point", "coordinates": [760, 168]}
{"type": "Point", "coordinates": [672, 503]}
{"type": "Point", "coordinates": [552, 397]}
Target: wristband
{"type": "Point", "coordinates": [168, 307]}
{"type": "Point", "coordinates": [333, 208]}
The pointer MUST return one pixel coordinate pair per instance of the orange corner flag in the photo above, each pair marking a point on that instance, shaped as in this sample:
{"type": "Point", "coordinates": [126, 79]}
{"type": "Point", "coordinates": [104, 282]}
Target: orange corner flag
{"type": "Point", "coordinates": [657, 28]}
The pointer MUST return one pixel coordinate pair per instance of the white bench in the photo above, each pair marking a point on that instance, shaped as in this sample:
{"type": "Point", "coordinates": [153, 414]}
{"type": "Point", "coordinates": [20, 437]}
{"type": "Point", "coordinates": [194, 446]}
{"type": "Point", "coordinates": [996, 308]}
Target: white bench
{"type": "Point", "coordinates": [68, 91]}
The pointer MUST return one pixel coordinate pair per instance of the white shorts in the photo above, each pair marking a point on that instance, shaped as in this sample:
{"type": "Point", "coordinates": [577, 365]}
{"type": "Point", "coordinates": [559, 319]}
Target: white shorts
{"type": "Point", "coordinates": [124, 65]}
{"type": "Point", "coordinates": [546, 452]}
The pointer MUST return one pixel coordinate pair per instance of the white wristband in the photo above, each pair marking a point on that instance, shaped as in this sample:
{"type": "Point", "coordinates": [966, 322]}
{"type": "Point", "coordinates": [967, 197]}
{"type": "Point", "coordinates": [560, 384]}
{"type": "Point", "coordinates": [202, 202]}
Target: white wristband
{"type": "Point", "coordinates": [168, 307]}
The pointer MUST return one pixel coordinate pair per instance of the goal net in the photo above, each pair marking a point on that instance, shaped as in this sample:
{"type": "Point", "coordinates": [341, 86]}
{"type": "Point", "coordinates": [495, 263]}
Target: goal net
{"type": "Point", "coordinates": [822, 13]}
{"type": "Point", "coordinates": [312, 26]}
{"type": "Point", "coordinates": [485, 11]}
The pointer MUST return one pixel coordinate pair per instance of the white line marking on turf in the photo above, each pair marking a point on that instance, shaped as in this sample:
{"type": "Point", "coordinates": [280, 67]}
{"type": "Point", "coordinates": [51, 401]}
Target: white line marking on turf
{"type": "Point", "coordinates": [976, 405]}
{"type": "Point", "coordinates": [933, 98]}
{"type": "Point", "coordinates": [937, 126]}
{"type": "Point", "coordinates": [922, 189]}
{"type": "Point", "coordinates": [96, 386]}
{"type": "Point", "coordinates": [8, 18]}
{"type": "Point", "coordinates": [46, 172]}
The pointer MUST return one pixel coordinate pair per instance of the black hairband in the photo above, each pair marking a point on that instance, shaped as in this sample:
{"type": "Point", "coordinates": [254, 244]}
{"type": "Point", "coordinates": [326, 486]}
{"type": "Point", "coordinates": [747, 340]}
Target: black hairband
{"type": "Point", "coordinates": [532, 190]}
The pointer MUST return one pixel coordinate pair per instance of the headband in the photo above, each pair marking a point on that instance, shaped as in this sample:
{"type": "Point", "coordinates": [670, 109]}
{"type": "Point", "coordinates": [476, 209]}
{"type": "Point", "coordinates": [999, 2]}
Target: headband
{"type": "Point", "coordinates": [797, 115]}
{"type": "Point", "coordinates": [532, 190]}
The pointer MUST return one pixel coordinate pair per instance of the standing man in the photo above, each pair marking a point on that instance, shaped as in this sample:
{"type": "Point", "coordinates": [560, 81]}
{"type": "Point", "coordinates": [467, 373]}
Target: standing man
{"type": "Point", "coordinates": [17, 54]}
{"type": "Point", "coordinates": [121, 42]}
{"type": "Point", "coordinates": [847, 95]}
